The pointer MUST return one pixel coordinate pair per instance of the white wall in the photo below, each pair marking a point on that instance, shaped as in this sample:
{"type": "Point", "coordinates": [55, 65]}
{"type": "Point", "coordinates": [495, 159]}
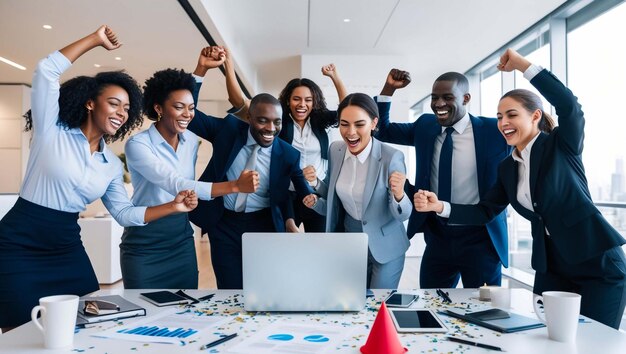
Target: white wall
{"type": "Point", "coordinates": [14, 142]}
{"type": "Point", "coordinates": [367, 74]}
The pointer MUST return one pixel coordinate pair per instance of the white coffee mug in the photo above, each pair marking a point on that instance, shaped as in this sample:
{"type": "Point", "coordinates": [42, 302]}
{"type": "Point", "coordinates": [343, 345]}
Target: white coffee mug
{"type": "Point", "coordinates": [58, 314]}
{"type": "Point", "coordinates": [500, 298]}
{"type": "Point", "coordinates": [561, 314]}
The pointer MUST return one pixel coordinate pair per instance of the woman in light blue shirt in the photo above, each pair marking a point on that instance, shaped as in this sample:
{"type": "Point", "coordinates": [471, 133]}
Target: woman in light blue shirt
{"type": "Point", "coordinates": [162, 162]}
{"type": "Point", "coordinates": [69, 167]}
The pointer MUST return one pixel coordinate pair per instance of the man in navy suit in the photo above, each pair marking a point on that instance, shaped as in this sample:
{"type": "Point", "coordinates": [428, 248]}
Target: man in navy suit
{"type": "Point", "coordinates": [473, 253]}
{"type": "Point", "coordinates": [235, 144]}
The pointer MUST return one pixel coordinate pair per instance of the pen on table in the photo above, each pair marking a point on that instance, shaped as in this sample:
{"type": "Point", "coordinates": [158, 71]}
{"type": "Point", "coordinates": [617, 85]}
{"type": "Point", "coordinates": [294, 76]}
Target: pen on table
{"type": "Point", "coordinates": [444, 295]}
{"type": "Point", "coordinates": [219, 341]}
{"type": "Point", "coordinates": [475, 344]}
{"type": "Point", "coordinates": [207, 297]}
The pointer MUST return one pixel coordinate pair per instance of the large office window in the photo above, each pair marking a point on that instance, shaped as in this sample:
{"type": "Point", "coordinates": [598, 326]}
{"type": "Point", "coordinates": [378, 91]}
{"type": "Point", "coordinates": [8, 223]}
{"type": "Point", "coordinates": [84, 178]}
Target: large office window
{"type": "Point", "coordinates": [539, 56]}
{"type": "Point", "coordinates": [597, 76]}
{"type": "Point", "coordinates": [490, 93]}
{"type": "Point", "coordinates": [592, 53]}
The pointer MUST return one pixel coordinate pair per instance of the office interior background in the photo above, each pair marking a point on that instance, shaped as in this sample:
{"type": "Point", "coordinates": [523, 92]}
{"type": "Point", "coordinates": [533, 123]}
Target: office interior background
{"type": "Point", "coordinates": [272, 41]}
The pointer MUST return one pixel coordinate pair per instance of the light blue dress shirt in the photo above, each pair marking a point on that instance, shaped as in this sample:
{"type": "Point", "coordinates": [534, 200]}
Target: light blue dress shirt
{"type": "Point", "coordinates": [261, 198]}
{"type": "Point", "coordinates": [158, 172]}
{"type": "Point", "coordinates": [62, 173]}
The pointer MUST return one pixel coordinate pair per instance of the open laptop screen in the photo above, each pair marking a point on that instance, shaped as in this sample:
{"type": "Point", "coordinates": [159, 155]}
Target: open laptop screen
{"type": "Point", "coordinates": [304, 272]}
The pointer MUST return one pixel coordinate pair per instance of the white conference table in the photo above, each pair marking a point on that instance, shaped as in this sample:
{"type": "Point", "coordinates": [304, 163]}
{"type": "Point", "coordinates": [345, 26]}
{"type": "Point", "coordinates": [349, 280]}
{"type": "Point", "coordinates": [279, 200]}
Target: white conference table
{"type": "Point", "coordinates": [592, 337]}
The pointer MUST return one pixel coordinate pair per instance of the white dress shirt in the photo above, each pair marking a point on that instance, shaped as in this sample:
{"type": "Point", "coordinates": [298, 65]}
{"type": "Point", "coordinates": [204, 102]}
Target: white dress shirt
{"type": "Point", "coordinates": [523, 163]}
{"type": "Point", "coordinates": [464, 188]}
{"type": "Point", "coordinates": [523, 175]}
{"type": "Point", "coordinates": [351, 181]}
{"type": "Point", "coordinates": [305, 141]}
{"type": "Point", "coordinates": [261, 198]}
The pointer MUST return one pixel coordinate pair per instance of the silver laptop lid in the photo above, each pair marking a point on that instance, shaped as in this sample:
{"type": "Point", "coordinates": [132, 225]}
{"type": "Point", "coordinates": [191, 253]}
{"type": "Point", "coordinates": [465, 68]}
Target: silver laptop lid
{"type": "Point", "coordinates": [304, 272]}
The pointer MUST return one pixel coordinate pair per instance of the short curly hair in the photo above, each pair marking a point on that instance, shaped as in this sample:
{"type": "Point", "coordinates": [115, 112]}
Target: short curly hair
{"type": "Point", "coordinates": [74, 94]}
{"type": "Point", "coordinates": [319, 102]}
{"type": "Point", "coordinates": [161, 84]}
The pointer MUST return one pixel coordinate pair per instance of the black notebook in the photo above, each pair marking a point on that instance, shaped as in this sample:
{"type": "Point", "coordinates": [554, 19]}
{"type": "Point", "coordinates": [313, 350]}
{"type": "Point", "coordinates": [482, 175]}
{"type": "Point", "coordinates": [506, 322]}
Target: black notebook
{"type": "Point", "coordinates": [165, 298]}
{"type": "Point", "coordinates": [113, 307]}
{"type": "Point", "coordinates": [500, 323]}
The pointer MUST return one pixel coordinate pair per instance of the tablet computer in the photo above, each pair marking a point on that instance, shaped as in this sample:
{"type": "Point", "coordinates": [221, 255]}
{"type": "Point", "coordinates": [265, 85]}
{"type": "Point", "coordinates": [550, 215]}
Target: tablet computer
{"type": "Point", "coordinates": [417, 320]}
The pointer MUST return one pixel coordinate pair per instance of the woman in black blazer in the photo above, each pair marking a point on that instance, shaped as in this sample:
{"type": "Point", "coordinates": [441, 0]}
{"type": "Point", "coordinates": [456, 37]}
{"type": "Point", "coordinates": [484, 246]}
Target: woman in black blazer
{"type": "Point", "coordinates": [574, 248]}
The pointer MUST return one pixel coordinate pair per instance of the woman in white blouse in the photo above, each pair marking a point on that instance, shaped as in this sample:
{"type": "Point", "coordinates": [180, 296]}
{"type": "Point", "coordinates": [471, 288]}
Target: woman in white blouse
{"type": "Point", "coordinates": [69, 167]}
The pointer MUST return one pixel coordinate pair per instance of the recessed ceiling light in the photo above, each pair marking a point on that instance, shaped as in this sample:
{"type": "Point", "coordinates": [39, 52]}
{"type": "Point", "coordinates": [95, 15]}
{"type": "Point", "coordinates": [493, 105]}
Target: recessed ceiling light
{"type": "Point", "coordinates": [47, 26]}
{"type": "Point", "coordinates": [12, 63]}
{"type": "Point", "coordinates": [346, 20]}
{"type": "Point", "coordinates": [97, 65]}
{"type": "Point", "coordinates": [118, 58]}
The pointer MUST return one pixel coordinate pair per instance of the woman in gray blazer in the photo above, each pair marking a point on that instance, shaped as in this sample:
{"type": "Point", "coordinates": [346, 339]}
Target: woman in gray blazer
{"type": "Point", "coordinates": [364, 191]}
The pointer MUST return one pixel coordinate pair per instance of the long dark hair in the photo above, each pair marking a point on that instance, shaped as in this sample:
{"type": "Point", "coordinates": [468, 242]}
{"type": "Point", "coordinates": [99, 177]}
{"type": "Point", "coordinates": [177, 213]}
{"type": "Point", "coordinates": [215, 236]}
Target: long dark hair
{"type": "Point", "coordinates": [74, 94]}
{"type": "Point", "coordinates": [362, 101]}
{"type": "Point", "coordinates": [319, 102]}
{"type": "Point", "coordinates": [531, 102]}
{"type": "Point", "coordinates": [161, 84]}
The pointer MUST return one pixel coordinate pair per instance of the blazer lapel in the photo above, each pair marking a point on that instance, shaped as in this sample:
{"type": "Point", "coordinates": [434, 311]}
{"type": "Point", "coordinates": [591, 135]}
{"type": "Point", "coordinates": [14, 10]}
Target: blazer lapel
{"type": "Point", "coordinates": [479, 146]}
{"type": "Point", "coordinates": [372, 174]}
{"type": "Point", "coordinates": [536, 160]}
{"type": "Point", "coordinates": [275, 159]}
{"type": "Point", "coordinates": [240, 141]}
{"type": "Point", "coordinates": [426, 162]}
{"type": "Point", "coordinates": [336, 158]}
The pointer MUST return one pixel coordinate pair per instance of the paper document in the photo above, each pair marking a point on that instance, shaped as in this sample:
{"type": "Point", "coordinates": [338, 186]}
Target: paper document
{"type": "Point", "coordinates": [285, 337]}
{"type": "Point", "coordinates": [175, 326]}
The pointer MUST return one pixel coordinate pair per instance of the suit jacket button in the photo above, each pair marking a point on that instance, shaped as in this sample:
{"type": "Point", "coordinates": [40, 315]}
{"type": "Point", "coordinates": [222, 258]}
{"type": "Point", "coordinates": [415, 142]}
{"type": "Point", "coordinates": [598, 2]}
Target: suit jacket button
{"type": "Point", "coordinates": [534, 204]}
{"type": "Point", "coordinates": [364, 222]}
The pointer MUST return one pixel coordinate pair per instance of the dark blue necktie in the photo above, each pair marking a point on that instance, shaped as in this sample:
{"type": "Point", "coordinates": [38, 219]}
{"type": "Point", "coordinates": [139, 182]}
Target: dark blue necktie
{"type": "Point", "coordinates": [445, 167]}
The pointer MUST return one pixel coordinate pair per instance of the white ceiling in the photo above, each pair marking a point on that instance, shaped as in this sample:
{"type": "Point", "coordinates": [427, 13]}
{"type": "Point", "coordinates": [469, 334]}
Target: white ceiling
{"type": "Point", "coordinates": [267, 36]}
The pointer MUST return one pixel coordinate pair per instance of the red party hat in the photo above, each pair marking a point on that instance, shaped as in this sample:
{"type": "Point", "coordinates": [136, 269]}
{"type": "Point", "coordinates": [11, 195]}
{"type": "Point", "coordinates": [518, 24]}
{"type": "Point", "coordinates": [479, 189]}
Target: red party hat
{"type": "Point", "coordinates": [383, 338]}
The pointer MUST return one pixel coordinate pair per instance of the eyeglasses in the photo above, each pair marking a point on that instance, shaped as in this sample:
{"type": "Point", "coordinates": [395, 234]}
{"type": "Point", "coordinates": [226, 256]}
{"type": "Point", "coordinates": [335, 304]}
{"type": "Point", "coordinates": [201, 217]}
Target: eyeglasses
{"type": "Point", "coordinates": [100, 307]}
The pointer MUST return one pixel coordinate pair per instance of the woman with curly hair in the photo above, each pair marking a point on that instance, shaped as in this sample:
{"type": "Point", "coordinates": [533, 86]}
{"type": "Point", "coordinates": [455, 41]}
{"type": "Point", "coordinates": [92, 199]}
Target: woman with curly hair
{"type": "Point", "coordinates": [69, 167]}
{"type": "Point", "coordinates": [162, 162]}
{"type": "Point", "coordinates": [306, 124]}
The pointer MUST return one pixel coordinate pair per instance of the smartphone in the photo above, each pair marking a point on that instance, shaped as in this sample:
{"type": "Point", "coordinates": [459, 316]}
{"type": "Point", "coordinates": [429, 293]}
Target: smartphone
{"type": "Point", "coordinates": [165, 298]}
{"type": "Point", "coordinates": [413, 320]}
{"type": "Point", "coordinates": [400, 300]}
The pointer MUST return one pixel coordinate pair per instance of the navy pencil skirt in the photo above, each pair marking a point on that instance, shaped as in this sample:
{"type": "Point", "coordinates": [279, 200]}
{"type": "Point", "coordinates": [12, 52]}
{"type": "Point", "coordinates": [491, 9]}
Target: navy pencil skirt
{"type": "Point", "coordinates": [160, 255]}
{"type": "Point", "coordinates": [41, 254]}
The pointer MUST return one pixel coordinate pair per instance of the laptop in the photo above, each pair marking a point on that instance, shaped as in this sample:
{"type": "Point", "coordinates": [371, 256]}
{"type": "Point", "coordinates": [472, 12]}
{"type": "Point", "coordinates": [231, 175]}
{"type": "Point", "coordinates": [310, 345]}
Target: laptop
{"type": "Point", "coordinates": [304, 272]}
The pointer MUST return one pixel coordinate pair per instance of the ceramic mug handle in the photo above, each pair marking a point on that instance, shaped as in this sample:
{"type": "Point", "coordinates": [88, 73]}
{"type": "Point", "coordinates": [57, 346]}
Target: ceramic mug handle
{"type": "Point", "coordinates": [33, 316]}
{"type": "Point", "coordinates": [538, 311]}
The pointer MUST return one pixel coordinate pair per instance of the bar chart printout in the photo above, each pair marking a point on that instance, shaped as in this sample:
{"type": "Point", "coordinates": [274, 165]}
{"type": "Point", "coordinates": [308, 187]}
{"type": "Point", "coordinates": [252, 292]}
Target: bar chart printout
{"type": "Point", "coordinates": [155, 331]}
{"type": "Point", "coordinates": [176, 326]}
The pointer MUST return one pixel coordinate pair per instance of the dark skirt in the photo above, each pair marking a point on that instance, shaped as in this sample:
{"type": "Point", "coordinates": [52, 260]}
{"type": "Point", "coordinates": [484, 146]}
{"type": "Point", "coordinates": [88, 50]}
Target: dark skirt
{"type": "Point", "coordinates": [160, 255]}
{"type": "Point", "coordinates": [41, 254]}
